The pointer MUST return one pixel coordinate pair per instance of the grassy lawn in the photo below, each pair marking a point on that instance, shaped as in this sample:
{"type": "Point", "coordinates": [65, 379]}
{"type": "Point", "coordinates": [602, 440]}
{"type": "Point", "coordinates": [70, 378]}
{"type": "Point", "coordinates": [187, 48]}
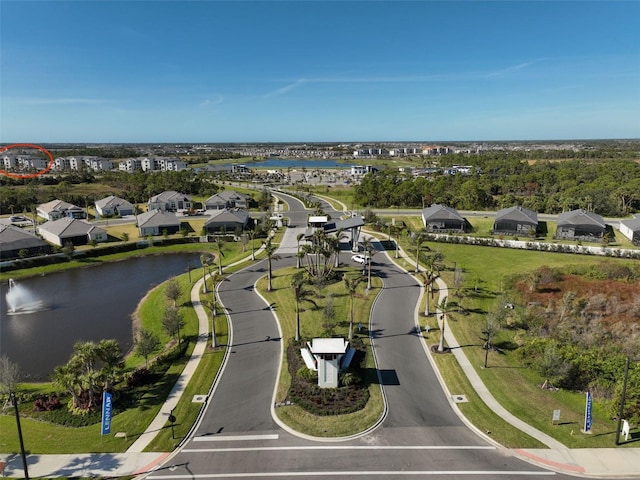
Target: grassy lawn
{"type": "Point", "coordinates": [313, 323]}
{"type": "Point", "coordinates": [489, 269]}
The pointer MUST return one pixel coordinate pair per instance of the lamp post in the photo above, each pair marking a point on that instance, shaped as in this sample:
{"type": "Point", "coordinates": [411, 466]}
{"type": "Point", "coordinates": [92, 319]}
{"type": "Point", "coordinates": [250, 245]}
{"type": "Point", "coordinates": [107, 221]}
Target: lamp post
{"type": "Point", "coordinates": [14, 402]}
{"type": "Point", "coordinates": [623, 397]}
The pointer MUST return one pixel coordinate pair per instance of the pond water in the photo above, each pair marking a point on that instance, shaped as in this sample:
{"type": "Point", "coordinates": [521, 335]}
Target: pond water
{"type": "Point", "coordinates": [284, 163]}
{"type": "Point", "coordinates": [92, 303]}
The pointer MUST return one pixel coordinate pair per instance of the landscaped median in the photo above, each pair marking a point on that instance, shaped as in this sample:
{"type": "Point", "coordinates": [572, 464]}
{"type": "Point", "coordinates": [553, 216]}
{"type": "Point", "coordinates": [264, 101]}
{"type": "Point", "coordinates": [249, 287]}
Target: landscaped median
{"type": "Point", "coordinates": [329, 317]}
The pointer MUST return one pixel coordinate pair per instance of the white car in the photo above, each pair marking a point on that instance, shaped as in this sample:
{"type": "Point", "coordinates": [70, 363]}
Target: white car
{"type": "Point", "coordinates": [361, 259]}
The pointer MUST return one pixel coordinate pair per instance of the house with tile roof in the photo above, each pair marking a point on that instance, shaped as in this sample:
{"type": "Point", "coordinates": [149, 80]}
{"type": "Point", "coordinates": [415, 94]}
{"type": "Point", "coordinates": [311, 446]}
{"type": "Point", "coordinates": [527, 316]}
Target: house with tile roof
{"type": "Point", "coordinates": [14, 241]}
{"type": "Point", "coordinates": [114, 206]}
{"type": "Point", "coordinates": [56, 209]}
{"type": "Point", "coordinates": [70, 230]}
{"type": "Point", "coordinates": [440, 218]}
{"type": "Point", "coordinates": [157, 222]}
{"type": "Point", "coordinates": [170, 201]}
{"type": "Point", "coordinates": [227, 220]}
{"type": "Point", "coordinates": [580, 225]}
{"type": "Point", "coordinates": [515, 221]}
{"type": "Point", "coordinates": [227, 199]}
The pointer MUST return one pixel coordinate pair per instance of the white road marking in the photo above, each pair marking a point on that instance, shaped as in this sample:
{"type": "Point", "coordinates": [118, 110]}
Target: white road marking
{"type": "Point", "coordinates": [339, 447]}
{"type": "Point", "coordinates": [231, 438]}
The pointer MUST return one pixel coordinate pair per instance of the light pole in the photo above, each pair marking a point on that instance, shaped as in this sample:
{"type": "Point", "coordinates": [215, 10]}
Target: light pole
{"type": "Point", "coordinates": [623, 397]}
{"type": "Point", "coordinates": [14, 402]}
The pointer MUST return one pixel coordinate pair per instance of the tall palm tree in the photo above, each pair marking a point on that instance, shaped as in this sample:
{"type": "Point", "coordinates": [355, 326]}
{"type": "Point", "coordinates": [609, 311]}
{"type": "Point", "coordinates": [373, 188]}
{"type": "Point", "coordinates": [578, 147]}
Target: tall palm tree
{"type": "Point", "coordinates": [444, 310]}
{"type": "Point", "coordinates": [427, 279]}
{"type": "Point", "coordinates": [270, 251]}
{"type": "Point", "coordinates": [367, 246]}
{"type": "Point", "coordinates": [418, 239]}
{"type": "Point", "coordinates": [301, 294]}
{"type": "Point", "coordinates": [352, 285]}
{"type": "Point", "coordinates": [219, 242]}
{"type": "Point", "coordinates": [206, 259]}
{"type": "Point", "coordinates": [299, 237]}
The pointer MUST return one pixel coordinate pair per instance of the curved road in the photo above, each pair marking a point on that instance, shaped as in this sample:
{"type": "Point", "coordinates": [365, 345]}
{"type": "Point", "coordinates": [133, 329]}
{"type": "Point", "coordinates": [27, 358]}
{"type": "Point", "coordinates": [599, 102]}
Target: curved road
{"type": "Point", "coordinates": [421, 435]}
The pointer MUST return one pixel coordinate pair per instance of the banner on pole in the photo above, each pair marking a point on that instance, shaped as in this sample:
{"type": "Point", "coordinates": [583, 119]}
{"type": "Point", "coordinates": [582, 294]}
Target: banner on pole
{"type": "Point", "coordinates": [107, 412]}
{"type": "Point", "coordinates": [587, 414]}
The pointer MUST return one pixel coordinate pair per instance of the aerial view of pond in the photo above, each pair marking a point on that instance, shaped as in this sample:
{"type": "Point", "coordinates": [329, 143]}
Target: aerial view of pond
{"type": "Point", "coordinates": [92, 303]}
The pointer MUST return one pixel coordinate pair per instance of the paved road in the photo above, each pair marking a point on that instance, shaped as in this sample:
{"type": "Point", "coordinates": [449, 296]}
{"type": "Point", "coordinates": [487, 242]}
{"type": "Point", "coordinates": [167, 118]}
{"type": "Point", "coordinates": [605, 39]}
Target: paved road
{"type": "Point", "coordinates": [420, 436]}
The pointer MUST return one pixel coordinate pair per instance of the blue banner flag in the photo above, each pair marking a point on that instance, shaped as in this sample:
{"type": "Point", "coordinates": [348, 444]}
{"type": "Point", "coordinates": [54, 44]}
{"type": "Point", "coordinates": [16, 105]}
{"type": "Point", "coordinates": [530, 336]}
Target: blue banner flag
{"type": "Point", "coordinates": [587, 414]}
{"type": "Point", "coordinates": [107, 412]}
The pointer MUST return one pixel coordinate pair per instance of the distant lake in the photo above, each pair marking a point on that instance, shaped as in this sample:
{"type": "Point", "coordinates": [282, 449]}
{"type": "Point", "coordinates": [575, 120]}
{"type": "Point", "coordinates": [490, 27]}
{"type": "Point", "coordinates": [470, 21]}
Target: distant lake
{"type": "Point", "coordinates": [277, 162]}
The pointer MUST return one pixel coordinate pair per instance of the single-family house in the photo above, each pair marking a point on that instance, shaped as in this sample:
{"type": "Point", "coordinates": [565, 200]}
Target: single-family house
{"type": "Point", "coordinates": [442, 218]}
{"type": "Point", "coordinates": [56, 209]}
{"type": "Point", "coordinates": [631, 229]}
{"type": "Point", "coordinates": [226, 199]}
{"type": "Point", "coordinates": [228, 220]}
{"type": "Point", "coordinates": [16, 242]}
{"type": "Point", "coordinates": [580, 225]}
{"type": "Point", "coordinates": [170, 201]}
{"type": "Point", "coordinates": [70, 230]}
{"type": "Point", "coordinates": [111, 205]}
{"type": "Point", "coordinates": [515, 221]}
{"type": "Point", "coordinates": [157, 222]}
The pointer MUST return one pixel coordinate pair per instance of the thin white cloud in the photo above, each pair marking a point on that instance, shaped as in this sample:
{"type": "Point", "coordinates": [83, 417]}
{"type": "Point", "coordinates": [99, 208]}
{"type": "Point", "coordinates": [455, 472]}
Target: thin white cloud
{"type": "Point", "coordinates": [61, 101]}
{"type": "Point", "coordinates": [513, 68]}
{"type": "Point", "coordinates": [286, 88]}
{"type": "Point", "coordinates": [212, 101]}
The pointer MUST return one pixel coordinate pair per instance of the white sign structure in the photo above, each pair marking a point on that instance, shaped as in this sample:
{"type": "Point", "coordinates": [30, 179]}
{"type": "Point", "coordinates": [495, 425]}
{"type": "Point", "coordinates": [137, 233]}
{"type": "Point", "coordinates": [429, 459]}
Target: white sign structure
{"type": "Point", "coordinates": [625, 430]}
{"type": "Point", "coordinates": [556, 416]}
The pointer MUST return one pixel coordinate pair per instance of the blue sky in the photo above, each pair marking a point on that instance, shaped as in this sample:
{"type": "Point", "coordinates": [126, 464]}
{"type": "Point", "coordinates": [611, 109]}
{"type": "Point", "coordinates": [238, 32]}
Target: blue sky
{"type": "Point", "coordinates": [240, 71]}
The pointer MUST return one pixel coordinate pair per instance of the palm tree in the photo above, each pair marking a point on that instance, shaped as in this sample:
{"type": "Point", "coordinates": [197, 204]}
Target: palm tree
{"type": "Point", "coordinates": [444, 309]}
{"type": "Point", "coordinates": [418, 239]}
{"type": "Point", "coordinates": [300, 294]}
{"type": "Point", "coordinates": [219, 242]}
{"type": "Point", "coordinates": [206, 259]}
{"type": "Point", "coordinates": [367, 246]}
{"type": "Point", "coordinates": [352, 285]}
{"type": "Point", "coordinates": [252, 234]}
{"type": "Point", "coordinates": [299, 237]}
{"type": "Point", "coordinates": [270, 251]}
{"type": "Point", "coordinates": [110, 354]}
{"type": "Point", "coordinates": [427, 279]}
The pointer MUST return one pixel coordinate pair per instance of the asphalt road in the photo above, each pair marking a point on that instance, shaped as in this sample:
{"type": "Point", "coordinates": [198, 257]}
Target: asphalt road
{"type": "Point", "coordinates": [420, 436]}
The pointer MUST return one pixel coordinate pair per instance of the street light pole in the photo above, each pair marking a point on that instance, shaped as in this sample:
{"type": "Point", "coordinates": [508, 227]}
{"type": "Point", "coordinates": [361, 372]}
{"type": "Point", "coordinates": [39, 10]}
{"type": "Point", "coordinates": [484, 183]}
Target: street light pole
{"type": "Point", "coordinates": [622, 399]}
{"type": "Point", "coordinates": [14, 402]}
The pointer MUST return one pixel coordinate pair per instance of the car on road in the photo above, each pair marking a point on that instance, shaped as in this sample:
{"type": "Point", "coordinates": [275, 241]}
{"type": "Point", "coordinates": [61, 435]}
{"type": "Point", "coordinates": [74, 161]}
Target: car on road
{"type": "Point", "coordinates": [361, 259]}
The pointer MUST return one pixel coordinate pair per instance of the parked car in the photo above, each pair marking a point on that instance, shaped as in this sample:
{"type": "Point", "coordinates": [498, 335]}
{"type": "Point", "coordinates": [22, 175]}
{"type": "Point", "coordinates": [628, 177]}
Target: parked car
{"type": "Point", "coordinates": [361, 259]}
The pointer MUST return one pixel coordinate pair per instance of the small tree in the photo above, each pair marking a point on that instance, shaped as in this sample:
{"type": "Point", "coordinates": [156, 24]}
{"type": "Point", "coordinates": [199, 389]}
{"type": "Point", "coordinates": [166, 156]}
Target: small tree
{"type": "Point", "coordinates": [125, 237]}
{"type": "Point", "coordinates": [172, 321]}
{"type": "Point", "coordinates": [68, 249]}
{"type": "Point", "coordinates": [146, 343]}
{"type": "Point", "coordinates": [173, 291]}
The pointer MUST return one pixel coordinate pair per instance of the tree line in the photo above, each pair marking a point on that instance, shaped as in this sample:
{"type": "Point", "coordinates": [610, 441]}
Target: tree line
{"type": "Point", "coordinates": [606, 187]}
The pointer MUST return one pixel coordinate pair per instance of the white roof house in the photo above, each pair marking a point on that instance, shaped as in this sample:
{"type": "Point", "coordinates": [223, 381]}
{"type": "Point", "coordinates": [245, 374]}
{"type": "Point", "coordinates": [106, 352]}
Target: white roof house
{"type": "Point", "coordinates": [57, 209]}
{"type": "Point", "coordinates": [112, 205]}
